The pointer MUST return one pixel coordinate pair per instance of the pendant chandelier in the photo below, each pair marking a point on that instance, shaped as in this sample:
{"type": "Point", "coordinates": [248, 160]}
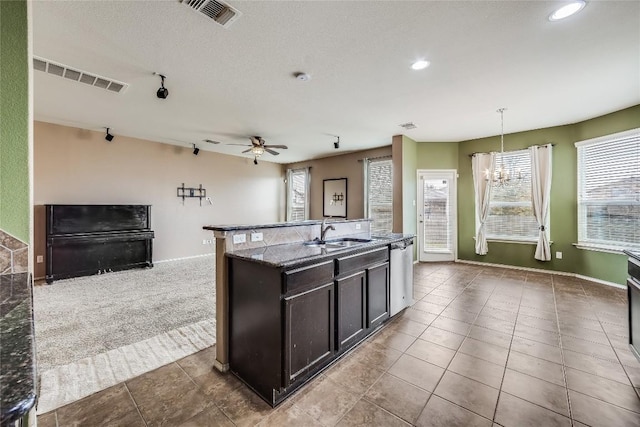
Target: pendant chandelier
{"type": "Point", "coordinates": [501, 176]}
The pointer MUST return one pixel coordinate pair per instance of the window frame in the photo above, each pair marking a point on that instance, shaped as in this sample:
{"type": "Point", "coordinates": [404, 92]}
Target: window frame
{"type": "Point", "coordinates": [367, 207]}
{"type": "Point", "coordinates": [533, 239]}
{"type": "Point", "coordinates": [632, 135]}
{"type": "Point", "coordinates": [289, 192]}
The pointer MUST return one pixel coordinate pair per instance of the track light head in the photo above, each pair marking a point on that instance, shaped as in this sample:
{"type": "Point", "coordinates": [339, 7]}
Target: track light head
{"type": "Point", "coordinates": [108, 136]}
{"type": "Point", "coordinates": [163, 92]}
{"type": "Point", "coordinates": [336, 144]}
{"type": "Point", "coordinates": [196, 150]}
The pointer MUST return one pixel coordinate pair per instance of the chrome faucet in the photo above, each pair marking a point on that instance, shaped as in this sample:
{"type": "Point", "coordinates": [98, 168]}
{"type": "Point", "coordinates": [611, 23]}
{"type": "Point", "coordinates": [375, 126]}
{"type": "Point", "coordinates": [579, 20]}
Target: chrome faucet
{"type": "Point", "coordinates": [323, 229]}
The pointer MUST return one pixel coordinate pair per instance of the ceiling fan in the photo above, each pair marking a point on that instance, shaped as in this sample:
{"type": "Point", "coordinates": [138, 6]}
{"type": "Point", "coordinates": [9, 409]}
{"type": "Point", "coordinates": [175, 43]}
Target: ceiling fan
{"type": "Point", "coordinates": [258, 148]}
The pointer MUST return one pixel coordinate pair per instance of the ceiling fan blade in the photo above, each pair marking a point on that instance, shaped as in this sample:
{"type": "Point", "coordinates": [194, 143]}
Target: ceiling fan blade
{"type": "Point", "coordinates": [275, 153]}
{"type": "Point", "coordinates": [276, 146]}
{"type": "Point", "coordinates": [212, 141]}
{"type": "Point", "coordinates": [246, 151]}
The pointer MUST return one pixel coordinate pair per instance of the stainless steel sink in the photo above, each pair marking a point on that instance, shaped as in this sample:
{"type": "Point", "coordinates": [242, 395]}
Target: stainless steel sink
{"type": "Point", "coordinates": [346, 242]}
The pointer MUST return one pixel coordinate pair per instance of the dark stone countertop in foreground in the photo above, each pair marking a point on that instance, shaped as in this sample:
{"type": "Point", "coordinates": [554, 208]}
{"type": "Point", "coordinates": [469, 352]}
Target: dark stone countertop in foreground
{"type": "Point", "coordinates": [298, 254]}
{"type": "Point", "coordinates": [277, 224]}
{"type": "Point", "coordinates": [17, 364]}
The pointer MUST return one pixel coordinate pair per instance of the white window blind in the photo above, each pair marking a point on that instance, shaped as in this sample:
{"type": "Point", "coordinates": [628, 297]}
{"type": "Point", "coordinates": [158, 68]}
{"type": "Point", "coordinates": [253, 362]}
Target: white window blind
{"type": "Point", "coordinates": [297, 194]}
{"type": "Point", "coordinates": [609, 191]}
{"type": "Point", "coordinates": [510, 209]}
{"type": "Point", "coordinates": [379, 195]}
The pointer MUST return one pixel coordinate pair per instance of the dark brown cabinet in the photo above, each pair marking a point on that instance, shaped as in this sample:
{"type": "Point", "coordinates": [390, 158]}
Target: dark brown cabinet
{"type": "Point", "coordinates": [286, 324]}
{"type": "Point", "coordinates": [377, 295]}
{"type": "Point", "coordinates": [309, 331]}
{"type": "Point", "coordinates": [351, 309]}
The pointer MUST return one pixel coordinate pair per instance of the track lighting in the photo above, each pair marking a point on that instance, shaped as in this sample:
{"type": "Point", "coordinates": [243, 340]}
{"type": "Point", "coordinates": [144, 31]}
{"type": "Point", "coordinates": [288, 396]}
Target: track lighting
{"type": "Point", "coordinates": [108, 136]}
{"type": "Point", "coordinates": [163, 92]}
{"type": "Point", "coordinates": [196, 150]}
{"type": "Point", "coordinates": [336, 144]}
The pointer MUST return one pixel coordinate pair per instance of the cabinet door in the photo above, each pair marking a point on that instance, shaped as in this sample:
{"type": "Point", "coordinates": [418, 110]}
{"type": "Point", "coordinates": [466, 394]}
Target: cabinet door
{"type": "Point", "coordinates": [351, 309]}
{"type": "Point", "coordinates": [309, 333]}
{"type": "Point", "coordinates": [377, 294]}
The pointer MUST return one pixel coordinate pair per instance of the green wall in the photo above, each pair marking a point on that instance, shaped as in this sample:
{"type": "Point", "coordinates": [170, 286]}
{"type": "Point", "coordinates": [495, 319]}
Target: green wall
{"type": "Point", "coordinates": [564, 217]}
{"type": "Point", "coordinates": [437, 155]}
{"type": "Point", "coordinates": [14, 119]}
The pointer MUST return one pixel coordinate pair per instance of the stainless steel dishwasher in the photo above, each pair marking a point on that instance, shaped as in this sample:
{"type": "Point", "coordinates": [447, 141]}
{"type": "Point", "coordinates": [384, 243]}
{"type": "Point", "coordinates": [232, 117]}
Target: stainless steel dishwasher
{"type": "Point", "coordinates": [401, 292]}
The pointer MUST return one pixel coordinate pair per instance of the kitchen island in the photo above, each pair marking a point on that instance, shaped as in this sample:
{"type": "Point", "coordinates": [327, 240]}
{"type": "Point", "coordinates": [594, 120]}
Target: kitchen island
{"type": "Point", "coordinates": [296, 307]}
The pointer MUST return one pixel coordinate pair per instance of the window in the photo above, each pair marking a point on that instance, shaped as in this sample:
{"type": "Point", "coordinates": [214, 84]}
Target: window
{"type": "Point", "coordinates": [297, 194]}
{"type": "Point", "coordinates": [379, 195]}
{"type": "Point", "coordinates": [609, 191]}
{"type": "Point", "coordinates": [510, 209]}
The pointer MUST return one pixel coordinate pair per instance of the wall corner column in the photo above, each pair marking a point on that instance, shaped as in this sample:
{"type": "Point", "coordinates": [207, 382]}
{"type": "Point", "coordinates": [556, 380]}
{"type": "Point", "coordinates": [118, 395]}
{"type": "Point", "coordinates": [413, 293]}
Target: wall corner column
{"type": "Point", "coordinates": [222, 304]}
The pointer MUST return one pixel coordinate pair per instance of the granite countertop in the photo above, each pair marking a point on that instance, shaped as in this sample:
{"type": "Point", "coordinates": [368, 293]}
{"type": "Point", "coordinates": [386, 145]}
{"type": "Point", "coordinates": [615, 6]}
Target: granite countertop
{"type": "Point", "coordinates": [297, 254]}
{"type": "Point", "coordinates": [277, 224]}
{"type": "Point", "coordinates": [17, 364]}
{"type": "Point", "coordinates": [633, 254]}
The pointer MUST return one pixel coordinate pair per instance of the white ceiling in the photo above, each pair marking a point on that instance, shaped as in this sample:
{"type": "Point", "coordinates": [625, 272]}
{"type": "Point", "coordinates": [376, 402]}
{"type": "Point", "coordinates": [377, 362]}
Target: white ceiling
{"type": "Point", "coordinates": [226, 84]}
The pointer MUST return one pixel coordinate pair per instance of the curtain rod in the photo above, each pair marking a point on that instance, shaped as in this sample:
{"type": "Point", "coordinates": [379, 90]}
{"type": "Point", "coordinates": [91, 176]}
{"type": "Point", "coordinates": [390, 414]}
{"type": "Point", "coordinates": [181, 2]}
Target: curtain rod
{"type": "Point", "coordinates": [375, 158]}
{"type": "Point", "coordinates": [553, 145]}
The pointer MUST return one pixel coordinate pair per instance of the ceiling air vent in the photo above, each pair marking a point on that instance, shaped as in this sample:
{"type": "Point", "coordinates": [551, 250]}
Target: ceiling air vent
{"type": "Point", "coordinates": [222, 13]}
{"type": "Point", "coordinates": [408, 126]}
{"type": "Point", "coordinates": [41, 64]}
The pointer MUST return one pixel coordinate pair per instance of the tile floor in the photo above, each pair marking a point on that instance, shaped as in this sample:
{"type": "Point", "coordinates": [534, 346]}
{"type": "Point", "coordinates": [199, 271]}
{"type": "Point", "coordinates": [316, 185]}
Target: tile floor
{"type": "Point", "coordinates": [480, 347]}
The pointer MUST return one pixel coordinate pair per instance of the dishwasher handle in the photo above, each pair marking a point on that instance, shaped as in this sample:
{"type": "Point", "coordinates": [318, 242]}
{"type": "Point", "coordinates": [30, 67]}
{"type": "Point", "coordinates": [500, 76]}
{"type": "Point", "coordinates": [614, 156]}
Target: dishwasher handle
{"type": "Point", "coordinates": [403, 244]}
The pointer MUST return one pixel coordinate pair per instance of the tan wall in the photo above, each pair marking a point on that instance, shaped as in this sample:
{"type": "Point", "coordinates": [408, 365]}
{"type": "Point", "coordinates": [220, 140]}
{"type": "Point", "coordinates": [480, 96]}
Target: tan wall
{"type": "Point", "coordinates": [342, 166]}
{"type": "Point", "coordinates": [76, 166]}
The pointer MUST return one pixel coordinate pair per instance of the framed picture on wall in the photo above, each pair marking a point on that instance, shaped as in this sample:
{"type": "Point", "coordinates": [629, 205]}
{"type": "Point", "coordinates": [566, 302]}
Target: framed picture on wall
{"type": "Point", "coordinates": [334, 197]}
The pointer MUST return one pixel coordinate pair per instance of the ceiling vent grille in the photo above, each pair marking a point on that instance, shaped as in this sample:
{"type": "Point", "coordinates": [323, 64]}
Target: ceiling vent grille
{"type": "Point", "coordinates": [408, 125]}
{"type": "Point", "coordinates": [41, 64]}
{"type": "Point", "coordinates": [221, 13]}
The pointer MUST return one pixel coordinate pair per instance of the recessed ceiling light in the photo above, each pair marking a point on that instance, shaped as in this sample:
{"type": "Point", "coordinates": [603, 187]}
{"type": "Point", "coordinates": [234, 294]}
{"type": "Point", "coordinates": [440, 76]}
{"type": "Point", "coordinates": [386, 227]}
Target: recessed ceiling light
{"type": "Point", "coordinates": [420, 65]}
{"type": "Point", "coordinates": [567, 10]}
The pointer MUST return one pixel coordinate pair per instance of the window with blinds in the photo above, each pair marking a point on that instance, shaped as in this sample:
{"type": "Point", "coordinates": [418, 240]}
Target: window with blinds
{"type": "Point", "coordinates": [510, 208]}
{"type": "Point", "coordinates": [379, 197]}
{"type": "Point", "coordinates": [609, 191]}
{"type": "Point", "coordinates": [297, 194]}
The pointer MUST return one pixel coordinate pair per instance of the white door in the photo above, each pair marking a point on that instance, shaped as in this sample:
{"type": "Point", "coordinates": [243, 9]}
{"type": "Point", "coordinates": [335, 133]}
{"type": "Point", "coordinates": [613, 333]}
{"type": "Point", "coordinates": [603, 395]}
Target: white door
{"type": "Point", "coordinates": [437, 218]}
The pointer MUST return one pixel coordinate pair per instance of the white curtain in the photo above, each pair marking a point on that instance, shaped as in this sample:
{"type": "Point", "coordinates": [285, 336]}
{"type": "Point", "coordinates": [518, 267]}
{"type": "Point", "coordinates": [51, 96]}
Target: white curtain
{"type": "Point", "coordinates": [541, 195]}
{"type": "Point", "coordinates": [483, 166]}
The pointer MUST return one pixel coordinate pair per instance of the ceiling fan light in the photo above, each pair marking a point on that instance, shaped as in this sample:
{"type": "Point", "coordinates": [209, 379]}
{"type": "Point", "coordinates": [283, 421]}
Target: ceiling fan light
{"type": "Point", "coordinates": [420, 65]}
{"type": "Point", "coordinates": [567, 10]}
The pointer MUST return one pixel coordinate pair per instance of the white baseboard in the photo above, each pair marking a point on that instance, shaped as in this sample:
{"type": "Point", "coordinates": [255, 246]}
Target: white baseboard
{"type": "Point", "coordinates": [184, 258]}
{"type": "Point", "coordinates": [602, 282]}
{"type": "Point", "coordinates": [540, 270]}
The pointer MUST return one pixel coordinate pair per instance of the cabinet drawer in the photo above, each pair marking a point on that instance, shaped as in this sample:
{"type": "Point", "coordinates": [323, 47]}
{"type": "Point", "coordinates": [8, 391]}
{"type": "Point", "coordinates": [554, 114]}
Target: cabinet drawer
{"type": "Point", "coordinates": [304, 277]}
{"type": "Point", "coordinates": [361, 260]}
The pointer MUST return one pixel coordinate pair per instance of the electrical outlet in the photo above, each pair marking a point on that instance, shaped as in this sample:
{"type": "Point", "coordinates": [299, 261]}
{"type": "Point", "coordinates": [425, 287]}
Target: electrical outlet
{"type": "Point", "coordinates": [256, 237]}
{"type": "Point", "coordinates": [239, 238]}
{"type": "Point", "coordinates": [558, 255]}
{"type": "Point", "coordinates": [204, 241]}
{"type": "Point", "coordinates": [358, 226]}
{"type": "Point", "coordinates": [39, 259]}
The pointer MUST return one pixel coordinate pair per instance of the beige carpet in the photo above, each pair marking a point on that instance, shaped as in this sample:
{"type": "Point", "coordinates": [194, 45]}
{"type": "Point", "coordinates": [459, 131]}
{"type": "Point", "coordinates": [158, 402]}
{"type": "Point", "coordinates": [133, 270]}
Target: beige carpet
{"type": "Point", "coordinates": [94, 332]}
